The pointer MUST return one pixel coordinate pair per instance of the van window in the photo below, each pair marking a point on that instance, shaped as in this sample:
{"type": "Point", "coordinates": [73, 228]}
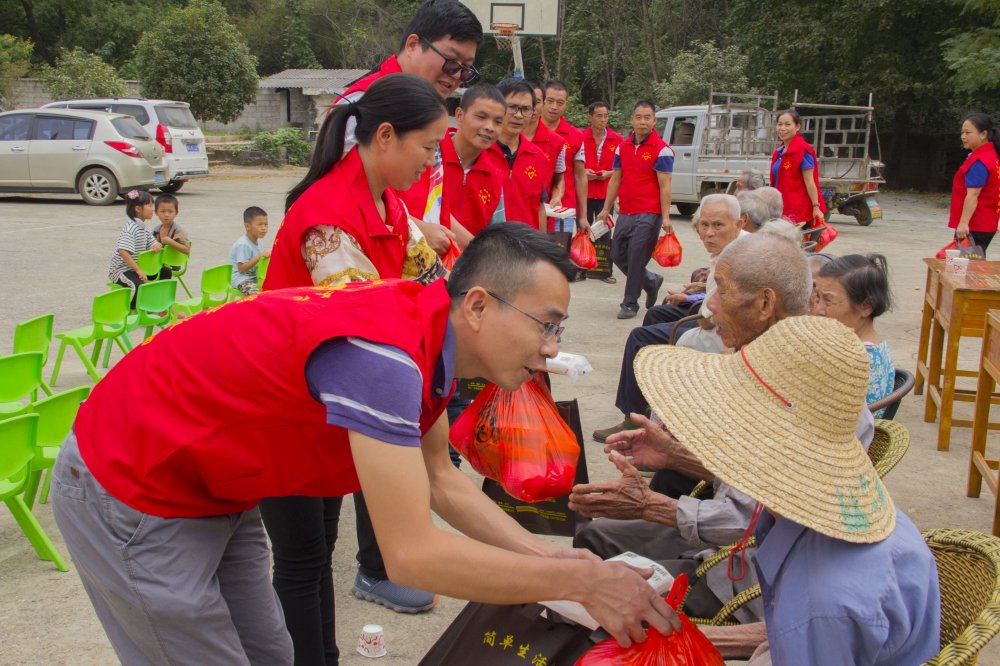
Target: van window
{"type": "Point", "coordinates": [129, 128]}
{"type": "Point", "coordinates": [134, 110]}
{"type": "Point", "coordinates": [15, 127]}
{"type": "Point", "coordinates": [176, 116]}
{"type": "Point", "coordinates": [683, 133]}
{"type": "Point", "coordinates": [54, 128]}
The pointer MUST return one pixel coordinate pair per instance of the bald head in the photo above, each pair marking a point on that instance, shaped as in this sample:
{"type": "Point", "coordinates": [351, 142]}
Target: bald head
{"type": "Point", "coordinates": [769, 261]}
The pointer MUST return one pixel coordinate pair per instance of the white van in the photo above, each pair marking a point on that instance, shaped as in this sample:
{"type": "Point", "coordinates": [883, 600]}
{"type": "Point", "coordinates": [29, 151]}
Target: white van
{"type": "Point", "coordinates": [170, 123]}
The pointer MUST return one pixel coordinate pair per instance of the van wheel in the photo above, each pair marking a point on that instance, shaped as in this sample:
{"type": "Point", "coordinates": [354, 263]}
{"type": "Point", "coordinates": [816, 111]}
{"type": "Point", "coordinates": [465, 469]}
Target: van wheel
{"type": "Point", "coordinates": [172, 187]}
{"type": "Point", "coordinates": [686, 208]}
{"type": "Point", "coordinates": [97, 186]}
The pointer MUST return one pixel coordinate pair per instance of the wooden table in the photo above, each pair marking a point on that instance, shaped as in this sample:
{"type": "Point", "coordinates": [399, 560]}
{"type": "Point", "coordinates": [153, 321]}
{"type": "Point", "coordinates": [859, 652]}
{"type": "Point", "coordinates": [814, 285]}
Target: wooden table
{"type": "Point", "coordinates": [980, 467]}
{"type": "Point", "coordinates": [958, 307]}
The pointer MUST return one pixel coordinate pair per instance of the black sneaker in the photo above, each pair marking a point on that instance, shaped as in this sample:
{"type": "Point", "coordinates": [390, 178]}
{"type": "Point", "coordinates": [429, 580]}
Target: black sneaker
{"type": "Point", "coordinates": [653, 291]}
{"type": "Point", "coordinates": [625, 312]}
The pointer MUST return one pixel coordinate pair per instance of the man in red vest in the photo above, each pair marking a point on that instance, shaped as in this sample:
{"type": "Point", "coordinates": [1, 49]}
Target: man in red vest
{"type": "Point", "coordinates": [528, 167]}
{"type": "Point", "coordinates": [319, 392]}
{"type": "Point", "coordinates": [597, 155]}
{"type": "Point", "coordinates": [643, 167]}
{"type": "Point", "coordinates": [551, 144]}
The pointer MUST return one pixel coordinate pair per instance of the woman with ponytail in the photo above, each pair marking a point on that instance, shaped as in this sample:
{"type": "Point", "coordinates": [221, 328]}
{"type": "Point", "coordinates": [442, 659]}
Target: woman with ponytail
{"type": "Point", "coordinates": [345, 223]}
{"type": "Point", "coordinates": [975, 192]}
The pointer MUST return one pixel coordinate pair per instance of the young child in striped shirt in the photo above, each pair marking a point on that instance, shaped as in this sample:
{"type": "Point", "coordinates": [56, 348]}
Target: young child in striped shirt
{"type": "Point", "coordinates": [133, 239]}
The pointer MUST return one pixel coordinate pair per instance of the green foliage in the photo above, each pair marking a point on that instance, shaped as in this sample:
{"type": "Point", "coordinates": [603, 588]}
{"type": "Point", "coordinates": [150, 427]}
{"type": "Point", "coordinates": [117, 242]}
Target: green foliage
{"type": "Point", "coordinates": [15, 60]}
{"type": "Point", "coordinates": [81, 74]}
{"type": "Point", "coordinates": [297, 54]}
{"type": "Point", "coordinates": [703, 68]}
{"type": "Point", "coordinates": [196, 55]}
{"type": "Point", "coordinates": [289, 142]}
{"type": "Point", "coordinates": [974, 56]}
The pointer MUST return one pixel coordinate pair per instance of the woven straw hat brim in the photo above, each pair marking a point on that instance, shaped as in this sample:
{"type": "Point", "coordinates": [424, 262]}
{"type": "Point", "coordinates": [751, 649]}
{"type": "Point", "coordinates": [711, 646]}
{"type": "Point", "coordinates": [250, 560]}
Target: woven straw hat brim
{"type": "Point", "coordinates": [803, 462]}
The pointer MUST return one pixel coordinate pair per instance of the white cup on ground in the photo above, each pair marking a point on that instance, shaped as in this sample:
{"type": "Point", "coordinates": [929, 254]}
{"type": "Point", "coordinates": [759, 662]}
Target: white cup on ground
{"type": "Point", "coordinates": [949, 260]}
{"type": "Point", "coordinates": [371, 642]}
{"type": "Point", "coordinates": [961, 265]}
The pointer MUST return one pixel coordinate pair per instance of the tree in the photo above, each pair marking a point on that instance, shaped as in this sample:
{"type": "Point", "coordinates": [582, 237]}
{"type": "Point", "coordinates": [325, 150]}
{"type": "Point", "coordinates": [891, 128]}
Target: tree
{"type": "Point", "coordinates": [973, 56]}
{"type": "Point", "coordinates": [196, 55]}
{"type": "Point", "coordinates": [15, 59]}
{"type": "Point", "coordinates": [81, 74]}
{"type": "Point", "coordinates": [703, 68]}
{"type": "Point", "coordinates": [297, 51]}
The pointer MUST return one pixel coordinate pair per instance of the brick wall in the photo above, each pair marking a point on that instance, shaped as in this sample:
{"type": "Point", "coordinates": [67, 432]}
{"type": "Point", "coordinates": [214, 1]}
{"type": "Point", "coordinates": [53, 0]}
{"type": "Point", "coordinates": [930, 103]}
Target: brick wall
{"type": "Point", "coordinates": [29, 93]}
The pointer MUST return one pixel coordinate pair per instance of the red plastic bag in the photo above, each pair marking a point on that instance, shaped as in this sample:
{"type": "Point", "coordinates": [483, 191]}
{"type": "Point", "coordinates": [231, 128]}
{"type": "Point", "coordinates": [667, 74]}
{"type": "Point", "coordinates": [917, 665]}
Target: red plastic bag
{"type": "Point", "coordinates": [582, 251]}
{"type": "Point", "coordinates": [668, 251]}
{"type": "Point", "coordinates": [449, 258]}
{"type": "Point", "coordinates": [955, 244]}
{"type": "Point", "coordinates": [518, 439]}
{"type": "Point", "coordinates": [688, 648]}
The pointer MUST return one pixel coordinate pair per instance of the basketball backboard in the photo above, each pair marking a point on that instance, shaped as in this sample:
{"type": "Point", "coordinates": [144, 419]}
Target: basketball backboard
{"type": "Point", "coordinates": [533, 18]}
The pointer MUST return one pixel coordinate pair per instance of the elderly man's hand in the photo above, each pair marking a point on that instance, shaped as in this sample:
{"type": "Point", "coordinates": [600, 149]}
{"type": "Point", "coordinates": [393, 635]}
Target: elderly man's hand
{"type": "Point", "coordinates": [649, 446]}
{"type": "Point", "coordinates": [622, 499]}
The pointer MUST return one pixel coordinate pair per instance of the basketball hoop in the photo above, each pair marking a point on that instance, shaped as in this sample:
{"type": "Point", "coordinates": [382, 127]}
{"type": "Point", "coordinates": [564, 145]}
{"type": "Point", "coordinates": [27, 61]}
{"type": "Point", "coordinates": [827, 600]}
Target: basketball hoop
{"type": "Point", "coordinates": [504, 34]}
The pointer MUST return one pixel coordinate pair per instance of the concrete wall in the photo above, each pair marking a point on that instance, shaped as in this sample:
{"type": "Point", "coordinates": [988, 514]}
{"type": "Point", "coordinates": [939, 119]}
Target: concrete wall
{"type": "Point", "coordinates": [269, 112]}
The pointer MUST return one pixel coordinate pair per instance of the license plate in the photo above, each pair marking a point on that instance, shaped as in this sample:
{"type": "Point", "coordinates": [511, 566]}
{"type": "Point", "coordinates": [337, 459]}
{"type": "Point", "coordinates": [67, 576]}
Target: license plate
{"type": "Point", "coordinates": [192, 147]}
{"type": "Point", "coordinates": [827, 192]}
{"type": "Point", "coordinates": [158, 177]}
{"type": "Point", "coordinates": [875, 208]}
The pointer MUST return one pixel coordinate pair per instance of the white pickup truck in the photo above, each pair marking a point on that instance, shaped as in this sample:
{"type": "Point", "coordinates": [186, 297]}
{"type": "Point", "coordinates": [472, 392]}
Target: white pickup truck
{"type": "Point", "coordinates": [714, 143]}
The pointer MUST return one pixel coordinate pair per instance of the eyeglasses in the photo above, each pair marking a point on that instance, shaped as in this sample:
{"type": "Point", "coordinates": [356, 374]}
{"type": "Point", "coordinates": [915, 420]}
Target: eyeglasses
{"type": "Point", "coordinates": [524, 111]}
{"type": "Point", "coordinates": [452, 67]}
{"type": "Point", "coordinates": [549, 330]}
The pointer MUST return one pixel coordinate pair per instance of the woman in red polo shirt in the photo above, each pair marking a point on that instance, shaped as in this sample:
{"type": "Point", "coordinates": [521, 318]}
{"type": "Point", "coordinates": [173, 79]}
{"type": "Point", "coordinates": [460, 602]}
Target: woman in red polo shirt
{"type": "Point", "coordinates": [975, 192]}
{"type": "Point", "coordinates": [795, 172]}
{"type": "Point", "coordinates": [344, 222]}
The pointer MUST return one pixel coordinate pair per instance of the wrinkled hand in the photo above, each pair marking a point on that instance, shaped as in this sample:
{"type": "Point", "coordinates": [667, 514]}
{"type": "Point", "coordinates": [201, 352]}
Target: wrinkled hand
{"type": "Point", "coordinates": [438, 237]}
{"type": "Point", "coordinates": [675, 298]}
{"type": "Point", "coordinates": [621, 600]}
{"type": "Point", "coordinates": [649, 446]}
{"type": "Point", "coordinates": [623, 499]}
{"type": "Point", "coordinates": [694, 287]}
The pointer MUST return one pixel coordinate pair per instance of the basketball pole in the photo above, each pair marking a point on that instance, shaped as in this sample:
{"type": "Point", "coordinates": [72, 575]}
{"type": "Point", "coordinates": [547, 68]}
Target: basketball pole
{"type": "Point", "coordinates": [515, 44]}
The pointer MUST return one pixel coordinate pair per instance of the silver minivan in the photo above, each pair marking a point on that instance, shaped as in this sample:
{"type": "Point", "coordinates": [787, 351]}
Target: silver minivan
{"type": "Point", "coordinates": [96, 154]}
{"type": "Point", "coordinates": [172, 125]}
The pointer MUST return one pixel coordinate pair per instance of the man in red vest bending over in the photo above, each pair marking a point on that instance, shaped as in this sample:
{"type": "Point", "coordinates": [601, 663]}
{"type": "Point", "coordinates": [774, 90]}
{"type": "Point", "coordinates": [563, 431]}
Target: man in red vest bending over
{"type": "Point", "coordinates": [317, 391]}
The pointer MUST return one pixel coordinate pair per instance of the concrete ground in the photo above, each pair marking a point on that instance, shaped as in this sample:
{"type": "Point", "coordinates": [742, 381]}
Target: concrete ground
{"type": "Point", "coordinates": [54, 254]}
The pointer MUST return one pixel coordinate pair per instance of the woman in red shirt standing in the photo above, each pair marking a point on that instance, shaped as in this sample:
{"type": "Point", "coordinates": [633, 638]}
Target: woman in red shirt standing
{"type": "Point", "coordinates": [344, 223]}
{"type": "Point", "coordinates": [794, 171]}
{"type": "Point", "coordinates": [975, 192]}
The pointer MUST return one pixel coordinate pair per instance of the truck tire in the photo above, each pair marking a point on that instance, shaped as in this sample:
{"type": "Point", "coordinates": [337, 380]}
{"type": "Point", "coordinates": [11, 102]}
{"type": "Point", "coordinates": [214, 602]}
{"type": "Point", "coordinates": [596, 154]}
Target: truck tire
{"type": "Point", "coordinates": [859, 211]}
{"type": "Point", "coordinates": [685, 208]}
{"type": "Point", "coordinates": [172, 187]}
{"type": "Point", "coordinates": [97, 186]}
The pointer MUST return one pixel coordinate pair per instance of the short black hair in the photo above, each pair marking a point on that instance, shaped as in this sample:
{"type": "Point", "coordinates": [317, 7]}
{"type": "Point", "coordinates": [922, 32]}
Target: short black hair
{"type": "Point", "coordinates": [796, 118]}
{"type": "Point", "coordinates": [252, 213]}
{"type": "Point", "coordinates": [500, 259]}
{"type": "Point", "coordinates": [482, 91]}
{"type": "Point", "coordinates": [594, 106]}
{"type": "Point", "coordinates": [440, 19]}
{"type": "Point", "coordinates": [511, 86]}
{"type": "Point", "coordinates": [135, 199]}
{"type": "Point", "coordinates": [554, 84]}
{"type": "Point", "coordinates": [166, 199]}
{"type": "Point", "coordinates": [535, 85]}
{"type": "Point", "coordinates": [643, 103]}
{"type": "Point", "coordinates": [865, 278]}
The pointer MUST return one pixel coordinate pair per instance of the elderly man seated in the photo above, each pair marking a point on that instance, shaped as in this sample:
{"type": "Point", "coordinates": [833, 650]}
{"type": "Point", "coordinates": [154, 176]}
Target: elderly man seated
{"type": "Point", "coordinates": [845, 576]}
{"type": "Point", "coordinates": [775, 203]}
{"type": "Point", "coordinates": [719, 224]}
{"type": "Point", "coordinates": [762, 279]}
{"type": "Point", "coordinates": [753, 210]}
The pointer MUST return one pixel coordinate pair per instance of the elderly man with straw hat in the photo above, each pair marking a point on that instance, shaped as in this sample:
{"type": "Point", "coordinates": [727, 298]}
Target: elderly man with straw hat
{"type": "Point", "coordinates": [761, 279]}
{"type": "Point", "coordinates": [846, 577]}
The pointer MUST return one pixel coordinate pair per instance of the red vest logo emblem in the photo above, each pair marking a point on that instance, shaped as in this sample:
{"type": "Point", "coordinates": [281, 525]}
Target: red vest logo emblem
{"type": "Point", "coordinates": [530, 173]}
{"type": "Point", "coordinates": [485, 196]}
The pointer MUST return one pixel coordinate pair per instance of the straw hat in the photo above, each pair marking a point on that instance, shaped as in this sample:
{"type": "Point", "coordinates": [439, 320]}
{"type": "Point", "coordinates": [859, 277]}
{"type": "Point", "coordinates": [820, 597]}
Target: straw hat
{"type": "Point", "coordinates": [776, 421]}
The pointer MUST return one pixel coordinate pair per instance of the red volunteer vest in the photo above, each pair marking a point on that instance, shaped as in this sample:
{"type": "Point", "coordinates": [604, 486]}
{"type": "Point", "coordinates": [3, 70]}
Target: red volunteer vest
{"type": "Point", "coordinates": [551, 145]}
{"type": "Point", "coordinates": [522, 191]}
{"type": "Point", "coordinates": [640, 188]}
{"type": "Point", "coordinates": [389, 66]}
{"type": "Point", "coordinates": [987, 212]}
{"type": "Point", "coordinates": [598, 189]}
{"type": "Point", "coordinates": [572, 140]}
{"type": "Point", "coordinates": [471, 197]}
{"type": "Point", "coordinates": [798, 206]}
{"type": "Point", "coordinates": [342, 199]}
{"type": "Point", "coordinates": [239, 424]}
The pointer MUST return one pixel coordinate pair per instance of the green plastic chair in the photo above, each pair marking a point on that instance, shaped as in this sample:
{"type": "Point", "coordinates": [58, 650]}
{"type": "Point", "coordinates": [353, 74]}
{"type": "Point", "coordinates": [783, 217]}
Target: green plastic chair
{"type": "Point", "coordinates": [20, 377]}
{"type": "Point", "coordinates": [110, 317]}
{"type": "Point", "coordinates": [17, 449]}
{"type": "Point", "coordinates": [150, 263]}
{"type": "Point", "coordinates": [214, 290]}
{"type": "Point", "coordinates": [35, 335]}
{"type": "Point", "coordinates": [55, 419]}
{"type": "Point", "coordinates": [154, 306]}
{"type": "Point", "coordinates": [178, 263]}
{"type": "Point", "coordinates": [262, 270]}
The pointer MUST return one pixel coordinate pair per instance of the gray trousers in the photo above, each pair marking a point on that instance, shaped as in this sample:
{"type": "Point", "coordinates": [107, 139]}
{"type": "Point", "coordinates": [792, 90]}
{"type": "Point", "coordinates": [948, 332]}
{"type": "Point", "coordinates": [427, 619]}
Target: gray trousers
{"type": "Point", "coordinates": [631, 247]}
{"type": "Point", "coordinates": [170, 590]}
